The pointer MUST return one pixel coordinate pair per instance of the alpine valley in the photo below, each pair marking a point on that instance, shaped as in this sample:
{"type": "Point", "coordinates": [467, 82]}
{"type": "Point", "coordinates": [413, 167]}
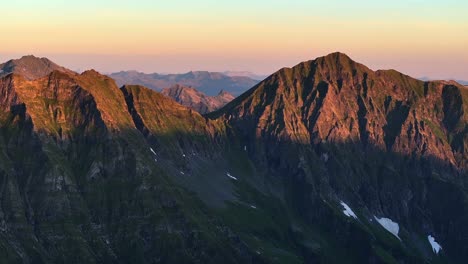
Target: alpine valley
{"type": "Point", "coordinates": [325, 162]}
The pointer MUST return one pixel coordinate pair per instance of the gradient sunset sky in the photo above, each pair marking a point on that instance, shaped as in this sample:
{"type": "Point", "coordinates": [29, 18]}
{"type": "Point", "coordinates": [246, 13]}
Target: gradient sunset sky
{"type": "Point", "coordinates": [417, 37]}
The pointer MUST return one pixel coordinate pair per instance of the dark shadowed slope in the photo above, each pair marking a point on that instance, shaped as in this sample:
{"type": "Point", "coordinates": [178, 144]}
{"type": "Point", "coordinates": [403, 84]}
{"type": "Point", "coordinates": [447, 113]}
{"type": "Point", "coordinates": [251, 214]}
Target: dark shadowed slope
{"type": "Point", "coordinates": [390, 144]}
{"type": "Point", "coordinates": [81, 184]}
{"type": "Point", "coordinates": [325, 162]}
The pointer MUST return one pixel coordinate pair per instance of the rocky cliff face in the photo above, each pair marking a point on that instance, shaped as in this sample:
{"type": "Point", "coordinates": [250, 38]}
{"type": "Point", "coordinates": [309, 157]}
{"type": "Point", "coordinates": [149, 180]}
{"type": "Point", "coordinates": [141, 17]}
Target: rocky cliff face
{"type": "Point", "coordinates": [332, 129]}
{"type": "Point", "coordinates": [335, 99]}
{"type": "Point", "coordinates": [196, 100]}
{"type": "Point", "coordinates": [326, 162]}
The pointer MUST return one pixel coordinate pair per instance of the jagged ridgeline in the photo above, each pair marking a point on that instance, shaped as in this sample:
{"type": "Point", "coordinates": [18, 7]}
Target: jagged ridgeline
{"type": "Point", "coordinates": [325, 162]}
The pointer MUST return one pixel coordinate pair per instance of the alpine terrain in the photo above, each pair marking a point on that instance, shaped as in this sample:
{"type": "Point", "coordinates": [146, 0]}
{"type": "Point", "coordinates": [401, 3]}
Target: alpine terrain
{"type": "Point", "coordinates": [325, 162]}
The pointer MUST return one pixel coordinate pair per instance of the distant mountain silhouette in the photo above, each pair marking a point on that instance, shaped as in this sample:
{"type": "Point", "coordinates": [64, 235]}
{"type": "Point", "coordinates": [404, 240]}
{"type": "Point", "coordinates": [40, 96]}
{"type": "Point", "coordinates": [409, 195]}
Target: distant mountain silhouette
{"type": "Point", "coordinates": [209, 83]}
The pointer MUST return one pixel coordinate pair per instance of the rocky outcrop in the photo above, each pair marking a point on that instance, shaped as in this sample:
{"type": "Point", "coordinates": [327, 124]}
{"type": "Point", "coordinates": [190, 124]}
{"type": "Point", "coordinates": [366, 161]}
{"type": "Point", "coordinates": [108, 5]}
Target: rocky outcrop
{"type": "Point", "coordinates": [325, 162]}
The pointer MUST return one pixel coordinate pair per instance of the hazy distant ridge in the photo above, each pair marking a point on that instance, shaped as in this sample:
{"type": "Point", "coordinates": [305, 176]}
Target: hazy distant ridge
{"type": "Point", "coordinates": [210, 83]}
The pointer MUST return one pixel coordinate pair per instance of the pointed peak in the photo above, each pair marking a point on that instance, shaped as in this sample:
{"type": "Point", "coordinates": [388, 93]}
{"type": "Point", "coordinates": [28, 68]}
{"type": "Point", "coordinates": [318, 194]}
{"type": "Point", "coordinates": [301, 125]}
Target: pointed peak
{"type": "Point", "coordinates": [94, 73]}
{"type": "Point", "coordinates": [90, 71]}
{"type": "Point", "coordinates": [338, 54]}
{"type": "Point", "coordinates": [30, 56]}
{"type": "Point", "coordinates": [337, 57]}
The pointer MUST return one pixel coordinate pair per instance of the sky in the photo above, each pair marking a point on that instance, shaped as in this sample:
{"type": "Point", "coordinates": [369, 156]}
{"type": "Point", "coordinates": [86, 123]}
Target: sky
{"type": "Point", "coordinates": [421, 38]}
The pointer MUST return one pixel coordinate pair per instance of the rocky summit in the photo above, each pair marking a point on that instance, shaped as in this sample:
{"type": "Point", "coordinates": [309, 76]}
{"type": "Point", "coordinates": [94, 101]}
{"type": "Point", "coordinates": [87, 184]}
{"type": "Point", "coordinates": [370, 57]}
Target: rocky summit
{"type": "Point", "coordinates": [324, 162]}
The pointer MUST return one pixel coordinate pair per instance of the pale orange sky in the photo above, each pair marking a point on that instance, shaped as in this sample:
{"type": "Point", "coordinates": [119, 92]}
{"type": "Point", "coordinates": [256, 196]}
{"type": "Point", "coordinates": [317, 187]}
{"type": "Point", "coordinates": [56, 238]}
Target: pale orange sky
{"type": "Point", "coordinates": [421, 38]}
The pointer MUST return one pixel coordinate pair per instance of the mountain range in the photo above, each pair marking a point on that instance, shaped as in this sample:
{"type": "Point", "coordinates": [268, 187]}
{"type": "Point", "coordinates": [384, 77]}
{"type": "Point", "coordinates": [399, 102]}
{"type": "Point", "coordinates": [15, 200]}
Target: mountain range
{"type": "Point", "coordinates": [324, 162]}
{"type": "Point", "coordinates": [196, 100]}
{"type": "Point", "coordinates": [209, 83]}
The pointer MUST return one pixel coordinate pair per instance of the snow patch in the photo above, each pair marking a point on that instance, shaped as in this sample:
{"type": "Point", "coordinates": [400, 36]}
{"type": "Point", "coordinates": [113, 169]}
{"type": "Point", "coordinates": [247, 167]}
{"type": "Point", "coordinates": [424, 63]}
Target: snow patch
{"type": "Point", "coordinates": [348, 211]}
{"type": "Point", "coordinates": [388, 224]}
{"type": "Point", "coordinates": [253, 206]}
{"type": "Point", "coordinates": [325, 157]}
{"type": "Point", "coordinates": [156, 160]}
{"type": "Point", "coordinates": [181, 172]}
{"type": "Point", "coordinates": [230, 176]}
{"type": "Point", "coordinates": [153, 151]}
{"type": "Point", "coordinates": [245, 148]}
{"type": "Point", "coordinates": [435, 246]}
{"type": "Point", "coordinates": [183, 155]}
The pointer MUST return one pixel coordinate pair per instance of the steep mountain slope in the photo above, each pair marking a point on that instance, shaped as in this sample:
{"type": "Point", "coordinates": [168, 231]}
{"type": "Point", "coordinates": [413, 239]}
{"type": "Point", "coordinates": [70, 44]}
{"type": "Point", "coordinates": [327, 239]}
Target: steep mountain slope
{"type": "Point", "coordinates": [31, 67]}
{"type": "Point", "coordinates": [80, 184]}
{"type": "Point", "coordinates": [326, 162]}
{"type": "Point", "coordinates": [209, 83]}
{"type": "Point", "coordinates": [391, 146]}
{"type": "Point", "coordinates": [335, 99]}
{"type": "Point", "coordinates": [196, 100]}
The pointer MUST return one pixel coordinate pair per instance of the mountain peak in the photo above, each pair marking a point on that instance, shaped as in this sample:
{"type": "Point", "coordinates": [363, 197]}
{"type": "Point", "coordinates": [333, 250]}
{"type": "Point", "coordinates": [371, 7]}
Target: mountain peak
{"type": "Point", "coordinates": [335, 59]}
{"type": "Point", "coordinates": [338, 55]}
{"type": "Point", "coordinates": [31, 67]}
{"type": "Point", "coordinates": [91, 72]}
{"type": "Point", "coordinates": [334, 98]}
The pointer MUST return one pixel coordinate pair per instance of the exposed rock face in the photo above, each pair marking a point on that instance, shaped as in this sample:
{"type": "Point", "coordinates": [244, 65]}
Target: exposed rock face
{"type": "Point", "coordinates": [326, 162]}
{"type": "Point", "coordinates": [208, 83]}
{"type": "Point", "coordinates": [196, 100]}
{"type": "Point", "coordinates": [31, 67]}
{"type": "Point", "coordinates": [386, 141]}
{"type": "Point", "coordinates": [335, 99]}
{"type": "Point", "coordinates": [79, 183]}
